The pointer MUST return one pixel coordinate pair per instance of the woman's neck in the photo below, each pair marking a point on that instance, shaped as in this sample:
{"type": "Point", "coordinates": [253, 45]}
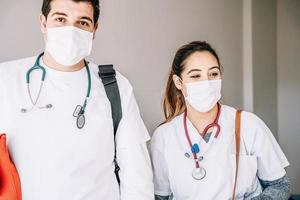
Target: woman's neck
{"type": "Point", "coordinates": [51, 63]}
{"type": "Point", "coordinates": [201, 120]}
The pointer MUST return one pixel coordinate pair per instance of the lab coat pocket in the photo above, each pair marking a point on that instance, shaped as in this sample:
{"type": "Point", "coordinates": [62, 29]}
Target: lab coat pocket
{"type": "Point", "coordinates": [246, 175]}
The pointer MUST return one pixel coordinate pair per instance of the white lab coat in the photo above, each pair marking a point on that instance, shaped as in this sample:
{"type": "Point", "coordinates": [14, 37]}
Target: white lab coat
{"type": "Point", "coordinates": [260, 156]}
{"type": "Point", "coordinates": [56, 160]}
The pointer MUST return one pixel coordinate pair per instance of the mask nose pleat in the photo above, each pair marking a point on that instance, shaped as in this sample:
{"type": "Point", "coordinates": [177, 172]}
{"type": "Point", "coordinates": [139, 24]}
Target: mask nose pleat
{"type": "Point", "coordinates": [204, 95]}
{"type": "Point", "coordinates": [68, 45]}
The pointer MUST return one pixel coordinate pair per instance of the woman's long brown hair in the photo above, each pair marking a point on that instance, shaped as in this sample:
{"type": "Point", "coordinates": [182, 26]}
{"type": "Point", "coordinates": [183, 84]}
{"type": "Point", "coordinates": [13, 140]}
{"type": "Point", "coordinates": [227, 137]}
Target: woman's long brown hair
{"type": "Point", "coordinates": [173, 100]}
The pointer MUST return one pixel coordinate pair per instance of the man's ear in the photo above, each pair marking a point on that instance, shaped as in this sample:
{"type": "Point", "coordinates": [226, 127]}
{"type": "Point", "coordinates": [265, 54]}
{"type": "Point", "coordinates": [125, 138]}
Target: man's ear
{"type": "Point", "coordinates": [95, 29]}
{"type": "Point", "coordinates": [177, 82]}
{"type": "Point", "coordinates": [43, 22]}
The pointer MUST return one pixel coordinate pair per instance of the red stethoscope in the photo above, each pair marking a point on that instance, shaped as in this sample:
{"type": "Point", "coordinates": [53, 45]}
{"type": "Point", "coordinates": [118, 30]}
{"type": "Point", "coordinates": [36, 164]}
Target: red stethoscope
{"type": "Point", "coordinates": [199, 172]}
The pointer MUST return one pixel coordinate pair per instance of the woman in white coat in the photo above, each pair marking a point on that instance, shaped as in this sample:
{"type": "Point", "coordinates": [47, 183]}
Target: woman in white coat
{"type": "Point", "coordinates": [194, 152]}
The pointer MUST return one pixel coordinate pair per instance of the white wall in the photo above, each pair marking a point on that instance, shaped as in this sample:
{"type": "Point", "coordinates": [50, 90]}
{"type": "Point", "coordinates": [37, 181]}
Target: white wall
{"type": "Point", "coordinates": [288, 55]}
{"type": "Point", "coordinates": [140, 38]}
{"type": "Point", "coordinates": [264, 61]}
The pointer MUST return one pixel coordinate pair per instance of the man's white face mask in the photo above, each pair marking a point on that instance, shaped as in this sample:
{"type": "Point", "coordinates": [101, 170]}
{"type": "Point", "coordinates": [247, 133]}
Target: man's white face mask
{"type": "Point", "coordinates": [68, 45]}
{"type": "Point", "coordinates": [203, 95]}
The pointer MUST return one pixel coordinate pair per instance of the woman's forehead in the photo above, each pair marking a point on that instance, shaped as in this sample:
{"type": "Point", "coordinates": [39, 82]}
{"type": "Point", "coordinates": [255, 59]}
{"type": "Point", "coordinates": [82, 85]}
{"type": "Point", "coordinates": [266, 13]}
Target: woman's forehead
{"type": "Point", "coordinates": [202, 60]}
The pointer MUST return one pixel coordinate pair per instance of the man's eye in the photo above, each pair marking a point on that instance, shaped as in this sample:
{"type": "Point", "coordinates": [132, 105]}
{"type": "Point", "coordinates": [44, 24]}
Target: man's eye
{"type": "Point", "coordinates": [83, 23]}
{"type": "Point", "coordinates": [61, 20]}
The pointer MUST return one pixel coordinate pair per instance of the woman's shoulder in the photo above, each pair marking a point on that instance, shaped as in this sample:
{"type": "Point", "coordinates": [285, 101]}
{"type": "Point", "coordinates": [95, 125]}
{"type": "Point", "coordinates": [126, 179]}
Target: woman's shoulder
{"type": "Point", "coordinates": [163, 132]}
{"type": "Point", "coordinates": [251, 124]}
{"type": "Point", "coordinates": [248, 118]}
{"type": "Point", "coordinates": [253, 128]}
{"type": "Point", "coordinates": [164, 129]}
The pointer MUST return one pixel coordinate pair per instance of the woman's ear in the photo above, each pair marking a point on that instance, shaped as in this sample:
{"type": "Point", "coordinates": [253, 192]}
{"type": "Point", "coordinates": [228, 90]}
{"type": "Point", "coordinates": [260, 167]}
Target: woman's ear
{"type": "Point", "coordinates": [177, 82]}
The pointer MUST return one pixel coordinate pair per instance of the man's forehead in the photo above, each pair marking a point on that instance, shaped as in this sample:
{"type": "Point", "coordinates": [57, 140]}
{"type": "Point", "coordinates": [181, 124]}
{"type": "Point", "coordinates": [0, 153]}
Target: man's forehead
{"type": "Point", "coordinates": [70, 7]}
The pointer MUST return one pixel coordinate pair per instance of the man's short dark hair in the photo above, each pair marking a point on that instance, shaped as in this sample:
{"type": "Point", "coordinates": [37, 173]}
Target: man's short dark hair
{"type": "Point", "coordinates": [46, 8]}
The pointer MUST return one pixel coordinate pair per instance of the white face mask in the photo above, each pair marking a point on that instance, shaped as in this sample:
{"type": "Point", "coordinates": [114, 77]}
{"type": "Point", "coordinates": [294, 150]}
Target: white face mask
{"type": "Point", "coordinates": [68, 45]}
{"type": "Point", "coordinates": [203, 95]}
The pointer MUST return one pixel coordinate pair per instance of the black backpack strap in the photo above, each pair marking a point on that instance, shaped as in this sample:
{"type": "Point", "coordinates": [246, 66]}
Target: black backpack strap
{"type": "Point", "coordinates": [108, 77]}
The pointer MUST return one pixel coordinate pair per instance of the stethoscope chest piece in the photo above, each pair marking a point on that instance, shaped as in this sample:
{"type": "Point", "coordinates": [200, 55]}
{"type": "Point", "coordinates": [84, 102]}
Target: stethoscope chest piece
{"type": "Point", "coordinates": [199, 173]}
{"type": "Point", "coordinates": [80, 121]}
{"type": "Point", "coordinates": [80, 118]}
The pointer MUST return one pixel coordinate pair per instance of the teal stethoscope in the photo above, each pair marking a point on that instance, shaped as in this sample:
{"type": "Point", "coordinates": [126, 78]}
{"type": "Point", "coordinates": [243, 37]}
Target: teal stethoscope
{"type": "Point", "coordinates": [79, 109]}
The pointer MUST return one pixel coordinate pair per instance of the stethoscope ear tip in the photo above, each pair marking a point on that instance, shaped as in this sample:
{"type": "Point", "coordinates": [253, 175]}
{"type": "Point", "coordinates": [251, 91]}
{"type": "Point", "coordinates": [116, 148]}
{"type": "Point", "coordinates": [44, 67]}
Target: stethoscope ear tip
{"type": "Point", "coordinates": [48, 106]}
{"type": "Point", "coordinates": [187, 155]}
{"type": "Point", "coordinates": [23, 110]}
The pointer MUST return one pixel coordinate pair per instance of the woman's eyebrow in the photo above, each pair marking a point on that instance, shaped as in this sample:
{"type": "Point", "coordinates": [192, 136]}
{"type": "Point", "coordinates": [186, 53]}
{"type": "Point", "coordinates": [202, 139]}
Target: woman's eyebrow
{"type": "Point", "coordinates": [214, 67]}
{"type": "Point", "coordinates": [194, 70]}
{"type": "Point", "coordinates": [199, 70]}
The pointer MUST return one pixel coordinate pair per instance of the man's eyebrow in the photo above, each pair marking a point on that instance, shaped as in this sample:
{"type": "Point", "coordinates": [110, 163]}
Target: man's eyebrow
{"type": "Point", "coordinates": [87, 18]}
{"type": "Point", "coordinates": [59, 13]}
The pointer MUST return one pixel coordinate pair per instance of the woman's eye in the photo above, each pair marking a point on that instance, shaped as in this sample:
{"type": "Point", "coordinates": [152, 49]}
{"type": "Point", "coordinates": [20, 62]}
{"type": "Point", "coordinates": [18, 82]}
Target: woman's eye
{"type": "Point", "coordinates": [214, 74]}
{"type": "Point", "coordinates": [195, 76]}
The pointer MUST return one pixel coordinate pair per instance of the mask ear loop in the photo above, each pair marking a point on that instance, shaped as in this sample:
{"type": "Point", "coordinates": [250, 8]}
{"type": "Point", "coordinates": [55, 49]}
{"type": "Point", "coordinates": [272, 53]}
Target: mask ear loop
{"type": "Point", "coordinates": [179, 80]}
{"type": "Point", "coordinates": [183, 85]}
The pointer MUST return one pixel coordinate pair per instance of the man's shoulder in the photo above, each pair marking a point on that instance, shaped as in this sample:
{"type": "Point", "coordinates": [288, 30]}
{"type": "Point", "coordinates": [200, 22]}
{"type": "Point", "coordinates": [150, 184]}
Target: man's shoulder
{"type": "Point", "coordinates": [12, 63]}
{"type": "Point", "coordinates": [14, 66]}
{"type": "Point", "coordinates": [123, 82]}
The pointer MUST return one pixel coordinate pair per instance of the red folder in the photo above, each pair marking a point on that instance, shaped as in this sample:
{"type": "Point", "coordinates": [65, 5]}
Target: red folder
{"type": "Point", "coordinates": [10, 185]}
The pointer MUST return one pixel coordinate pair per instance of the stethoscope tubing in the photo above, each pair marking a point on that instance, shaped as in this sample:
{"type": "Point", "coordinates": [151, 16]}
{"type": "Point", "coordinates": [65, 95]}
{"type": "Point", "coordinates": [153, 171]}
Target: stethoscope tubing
{"type": "Point", "coordinates": [214, 124]}
{"type": "Point", "coordinates": [37, 66]}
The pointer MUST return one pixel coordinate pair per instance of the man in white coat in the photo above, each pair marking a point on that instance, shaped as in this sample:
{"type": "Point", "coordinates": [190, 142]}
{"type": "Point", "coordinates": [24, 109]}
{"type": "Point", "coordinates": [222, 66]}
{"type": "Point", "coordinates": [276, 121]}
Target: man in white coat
{"type": "Point", "coordinates": [63, 151]}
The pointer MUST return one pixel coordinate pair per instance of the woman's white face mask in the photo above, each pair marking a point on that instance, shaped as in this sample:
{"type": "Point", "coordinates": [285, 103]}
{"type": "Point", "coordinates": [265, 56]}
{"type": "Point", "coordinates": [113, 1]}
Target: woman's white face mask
{"type": "Point", "coordinates": [203, 95]}
{"type": "Point", "coordinates": [68, 45]}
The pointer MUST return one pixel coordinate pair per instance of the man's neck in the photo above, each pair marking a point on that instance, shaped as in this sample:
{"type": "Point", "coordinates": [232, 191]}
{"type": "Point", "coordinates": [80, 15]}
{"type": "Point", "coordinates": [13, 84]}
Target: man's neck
{"type": "Point", "coordinates": [51, 63]}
